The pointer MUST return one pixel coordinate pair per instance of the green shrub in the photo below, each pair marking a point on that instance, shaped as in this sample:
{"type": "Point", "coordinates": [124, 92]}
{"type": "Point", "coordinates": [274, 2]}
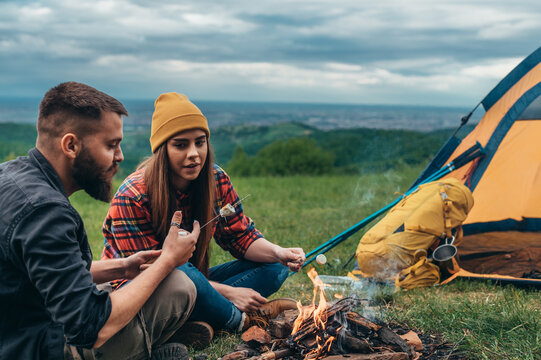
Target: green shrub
{"type": "Point", "coordinates": [240, 163]}
{"type": "Point", "coordinates": [298, 156]}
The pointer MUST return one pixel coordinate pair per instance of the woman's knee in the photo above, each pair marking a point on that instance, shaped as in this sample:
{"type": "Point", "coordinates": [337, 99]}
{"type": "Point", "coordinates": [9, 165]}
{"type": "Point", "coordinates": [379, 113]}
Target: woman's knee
{"type": "Point", "coordinates": [275, 275]}
{"type": "Point", "coordinates": [202, 284]}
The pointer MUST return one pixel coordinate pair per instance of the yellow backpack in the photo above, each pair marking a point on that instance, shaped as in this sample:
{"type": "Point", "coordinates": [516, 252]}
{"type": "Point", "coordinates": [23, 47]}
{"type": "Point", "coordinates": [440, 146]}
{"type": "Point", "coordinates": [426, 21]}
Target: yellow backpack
{"type": "Point", "coordinates": [396, 248]}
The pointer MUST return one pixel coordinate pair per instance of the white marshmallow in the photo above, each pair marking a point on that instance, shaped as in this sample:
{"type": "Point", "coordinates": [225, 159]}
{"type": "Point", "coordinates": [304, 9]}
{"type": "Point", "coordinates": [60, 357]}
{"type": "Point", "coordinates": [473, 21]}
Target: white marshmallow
{"type": "Point", "coordinates": [321, 259]}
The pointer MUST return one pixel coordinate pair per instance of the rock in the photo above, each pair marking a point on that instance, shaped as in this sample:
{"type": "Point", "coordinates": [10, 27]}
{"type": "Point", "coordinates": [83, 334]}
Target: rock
{"type": "Point", "coordinates": [256, 334]}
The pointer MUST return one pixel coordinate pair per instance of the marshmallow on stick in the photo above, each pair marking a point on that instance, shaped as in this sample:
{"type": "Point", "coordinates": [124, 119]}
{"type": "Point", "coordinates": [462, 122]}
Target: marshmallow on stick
{"type": "Point", "coordinates": [226, 210]}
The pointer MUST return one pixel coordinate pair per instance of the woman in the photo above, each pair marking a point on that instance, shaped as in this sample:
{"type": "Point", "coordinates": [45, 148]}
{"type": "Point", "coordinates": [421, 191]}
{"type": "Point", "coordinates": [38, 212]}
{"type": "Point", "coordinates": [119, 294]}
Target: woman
{"type": "Point", "coordinates": [180, 175]}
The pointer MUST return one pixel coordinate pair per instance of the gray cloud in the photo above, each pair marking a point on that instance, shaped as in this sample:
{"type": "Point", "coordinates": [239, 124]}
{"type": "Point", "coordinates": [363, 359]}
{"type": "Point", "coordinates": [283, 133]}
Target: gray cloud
{"type": "Point", "coordinates": [392, 51]}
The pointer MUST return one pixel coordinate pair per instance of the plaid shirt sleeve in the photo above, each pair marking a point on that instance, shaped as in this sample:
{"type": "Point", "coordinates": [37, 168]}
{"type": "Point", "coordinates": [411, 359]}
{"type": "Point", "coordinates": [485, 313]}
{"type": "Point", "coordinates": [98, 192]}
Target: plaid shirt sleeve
{"type": "Point", "coordinates": [234, 233]}
{"type": "Point", "coordinates": [127, 228]}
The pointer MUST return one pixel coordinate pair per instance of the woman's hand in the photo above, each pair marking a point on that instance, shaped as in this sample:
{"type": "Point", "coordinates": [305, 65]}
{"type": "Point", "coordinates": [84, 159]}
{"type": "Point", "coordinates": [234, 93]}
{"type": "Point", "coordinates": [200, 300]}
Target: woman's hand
{"type": "Point", "coordinates": [134, 264]}
{"type": "Point", "coordinates": [293, 258]}
{"type": "Point", "coordinates": [245, 299]}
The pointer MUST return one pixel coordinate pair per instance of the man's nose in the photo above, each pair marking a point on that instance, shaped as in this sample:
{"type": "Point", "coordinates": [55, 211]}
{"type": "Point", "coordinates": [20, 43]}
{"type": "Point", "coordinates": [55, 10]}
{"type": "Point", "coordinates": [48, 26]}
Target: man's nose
{"type": "Point", "coordinates": [119, 156]}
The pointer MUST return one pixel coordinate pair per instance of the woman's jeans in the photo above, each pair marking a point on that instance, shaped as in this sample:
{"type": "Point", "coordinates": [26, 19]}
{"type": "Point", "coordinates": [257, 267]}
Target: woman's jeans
{"type": "Point", "coordinates": [212, 307]}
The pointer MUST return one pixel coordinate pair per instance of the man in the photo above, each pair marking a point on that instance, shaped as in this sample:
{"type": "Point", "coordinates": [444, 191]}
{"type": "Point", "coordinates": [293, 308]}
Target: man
{"type": "Point", "coordinates": [50, 307]}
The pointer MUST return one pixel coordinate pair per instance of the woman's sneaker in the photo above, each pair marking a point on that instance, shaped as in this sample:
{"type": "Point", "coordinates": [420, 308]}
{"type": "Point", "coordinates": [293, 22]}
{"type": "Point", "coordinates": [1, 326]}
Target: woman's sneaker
{"type": "Point", "coordinates": [270, 310]}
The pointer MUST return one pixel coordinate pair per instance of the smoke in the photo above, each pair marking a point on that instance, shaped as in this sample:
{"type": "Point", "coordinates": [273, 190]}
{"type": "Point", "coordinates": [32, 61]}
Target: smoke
{"type": "Point", "coordinates": [364, 290]}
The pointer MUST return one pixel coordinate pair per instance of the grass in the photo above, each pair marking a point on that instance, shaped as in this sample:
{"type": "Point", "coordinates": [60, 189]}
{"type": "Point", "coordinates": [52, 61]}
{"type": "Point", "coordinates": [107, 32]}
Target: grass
{"type": "Point", "coordinates": [484, 321]}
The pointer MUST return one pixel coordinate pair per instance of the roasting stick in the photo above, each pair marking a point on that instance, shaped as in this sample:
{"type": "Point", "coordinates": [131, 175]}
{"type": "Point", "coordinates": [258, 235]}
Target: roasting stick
{"type": "Point", "coordinates": [226, 210]}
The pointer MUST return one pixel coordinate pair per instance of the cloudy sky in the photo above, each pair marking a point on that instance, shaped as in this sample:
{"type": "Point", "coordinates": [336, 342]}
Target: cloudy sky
{"type": "Point", "coordinates": [414, 52]}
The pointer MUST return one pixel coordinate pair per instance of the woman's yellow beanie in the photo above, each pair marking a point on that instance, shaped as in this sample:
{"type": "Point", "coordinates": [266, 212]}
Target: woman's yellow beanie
{"type": "Point", "coordinates": [174, 113]}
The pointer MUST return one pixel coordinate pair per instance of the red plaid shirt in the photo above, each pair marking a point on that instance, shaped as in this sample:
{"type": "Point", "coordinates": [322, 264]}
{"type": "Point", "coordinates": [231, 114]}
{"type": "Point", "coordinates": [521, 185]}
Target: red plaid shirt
{"type": "Point", "coordinates": [128, 225]}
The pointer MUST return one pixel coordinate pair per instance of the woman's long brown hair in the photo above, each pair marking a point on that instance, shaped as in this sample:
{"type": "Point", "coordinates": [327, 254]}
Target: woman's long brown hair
{"type": "Point", "coordinates": [163, 202]}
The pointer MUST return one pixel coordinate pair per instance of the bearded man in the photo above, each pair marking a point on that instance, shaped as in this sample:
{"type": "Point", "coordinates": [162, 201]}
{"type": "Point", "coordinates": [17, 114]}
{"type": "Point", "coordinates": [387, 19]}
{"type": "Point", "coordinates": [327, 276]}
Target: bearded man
{"type": "Point", "coordinates": [50, 305]}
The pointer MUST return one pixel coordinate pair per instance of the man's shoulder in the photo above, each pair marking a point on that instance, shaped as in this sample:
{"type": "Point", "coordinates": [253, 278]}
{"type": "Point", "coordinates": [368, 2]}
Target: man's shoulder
{"type": "Point", "coordinates": [27, 196]}
{"type": "Point", "coordinates": [23, 184]}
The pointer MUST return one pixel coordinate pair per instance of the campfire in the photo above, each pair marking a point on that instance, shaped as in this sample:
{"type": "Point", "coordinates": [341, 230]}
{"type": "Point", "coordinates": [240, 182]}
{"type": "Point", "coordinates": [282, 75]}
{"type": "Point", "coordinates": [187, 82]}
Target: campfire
{"type": "Point", "coordinates": [326, 330]}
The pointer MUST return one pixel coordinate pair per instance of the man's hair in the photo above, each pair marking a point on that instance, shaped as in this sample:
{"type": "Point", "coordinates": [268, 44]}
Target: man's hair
{"type": "Point", "coordinates": [74, 107]}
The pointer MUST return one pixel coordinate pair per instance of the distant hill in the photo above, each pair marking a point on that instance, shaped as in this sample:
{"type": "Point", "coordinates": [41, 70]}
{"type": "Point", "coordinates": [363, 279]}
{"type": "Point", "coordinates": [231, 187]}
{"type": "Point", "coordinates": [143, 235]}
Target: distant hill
{"type": "Point", "coordinates": [365, 149]}
{"type": "Point", "coordinates": [16, 139]}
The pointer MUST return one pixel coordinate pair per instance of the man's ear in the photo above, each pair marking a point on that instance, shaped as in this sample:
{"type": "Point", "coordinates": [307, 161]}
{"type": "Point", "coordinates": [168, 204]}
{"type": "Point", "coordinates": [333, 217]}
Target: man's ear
{"type": "Point", "coordinates": [70, 145]}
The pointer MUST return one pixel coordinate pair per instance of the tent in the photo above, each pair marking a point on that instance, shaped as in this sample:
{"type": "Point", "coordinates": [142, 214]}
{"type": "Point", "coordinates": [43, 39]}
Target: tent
{"type": "Point", "coordinates": [502, 233]}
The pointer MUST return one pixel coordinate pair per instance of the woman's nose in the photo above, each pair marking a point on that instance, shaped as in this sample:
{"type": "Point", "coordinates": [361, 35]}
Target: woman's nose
{"type": "Point", "coordinates": [192, 151]}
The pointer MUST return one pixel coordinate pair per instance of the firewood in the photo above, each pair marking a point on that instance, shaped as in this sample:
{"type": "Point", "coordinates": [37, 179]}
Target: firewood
{"type": "Point", "coordinates": [280, 328]}
{"type": "Point", "coordinates": [309, 327]}
{"type": "Point", "coordinates": [389, 337]}
{"type": "Point", "coordinates": [359, 320]}
{"type": "Point", "coordinates": [242, 346]}
{"type": "Point", "coordinates": [309, 343]}
{"type": "Point", "coordinates": [378, 356]}
{"type": "Point", "coordinates": [355, 345]}
{"type": "Point", "coordinates": [343, 330]}
{"type": "Point", "coordinates": [288, 315]}
{"type": "Point", "coordinates": [274, 355]}
{"type": "Point", "coordinates": [240, 355]}
{"type": "Point", "coordinates": [257, 335]}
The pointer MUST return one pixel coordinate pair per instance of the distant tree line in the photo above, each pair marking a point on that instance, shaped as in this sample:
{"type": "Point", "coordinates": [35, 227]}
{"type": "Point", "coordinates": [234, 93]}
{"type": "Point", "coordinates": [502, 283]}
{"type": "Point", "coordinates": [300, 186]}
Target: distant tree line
{"type": "Point", "coordinates": [338, 152]}
{"type": "Point", "coordinates": [277, 150]}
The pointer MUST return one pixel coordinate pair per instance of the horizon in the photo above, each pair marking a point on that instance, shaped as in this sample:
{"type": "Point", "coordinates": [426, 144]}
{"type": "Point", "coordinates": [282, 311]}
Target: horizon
{"type": "Point", "coordinates": [317, 115]}
{"type": "Point", "coordinates": [37, 99]}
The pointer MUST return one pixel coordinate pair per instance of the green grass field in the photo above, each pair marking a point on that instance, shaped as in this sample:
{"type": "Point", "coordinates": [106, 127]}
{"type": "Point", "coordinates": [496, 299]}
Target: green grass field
{"type": "Point", "coordinates": [483, 321]}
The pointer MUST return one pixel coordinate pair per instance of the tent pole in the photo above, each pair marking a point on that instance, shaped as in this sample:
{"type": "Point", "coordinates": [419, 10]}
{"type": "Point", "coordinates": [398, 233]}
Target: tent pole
{"type": "Point", "coordinates": [467, 156]}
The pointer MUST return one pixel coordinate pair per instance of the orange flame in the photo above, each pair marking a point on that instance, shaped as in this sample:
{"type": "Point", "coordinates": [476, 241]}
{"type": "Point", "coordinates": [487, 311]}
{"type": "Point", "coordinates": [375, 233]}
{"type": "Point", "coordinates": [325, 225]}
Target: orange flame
{"type": "Point", "coordinates": [319, 315]}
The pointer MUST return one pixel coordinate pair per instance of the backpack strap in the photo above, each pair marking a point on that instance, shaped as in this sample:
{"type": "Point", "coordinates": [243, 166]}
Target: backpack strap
{"type": "Point", "coordinates": [447, 223]}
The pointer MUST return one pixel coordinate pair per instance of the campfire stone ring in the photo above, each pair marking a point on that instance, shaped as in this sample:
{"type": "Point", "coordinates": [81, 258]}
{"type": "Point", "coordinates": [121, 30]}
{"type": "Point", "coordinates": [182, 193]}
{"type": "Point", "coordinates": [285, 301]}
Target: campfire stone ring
{"type": "Point", "coordinates": [174, 223]}
{"type": "Point", "coordinates": [182, 233]}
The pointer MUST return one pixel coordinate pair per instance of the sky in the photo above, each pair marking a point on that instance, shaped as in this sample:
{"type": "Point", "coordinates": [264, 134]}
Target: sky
{"type": "Point", "coordinates": [415, 52]}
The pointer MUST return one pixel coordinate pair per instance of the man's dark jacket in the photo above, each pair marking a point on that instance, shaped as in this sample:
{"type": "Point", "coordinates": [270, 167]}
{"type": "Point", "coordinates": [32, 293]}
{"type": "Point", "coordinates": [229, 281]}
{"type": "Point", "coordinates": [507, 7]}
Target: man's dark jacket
{"type": "Point", "coordinates": [47, 296]}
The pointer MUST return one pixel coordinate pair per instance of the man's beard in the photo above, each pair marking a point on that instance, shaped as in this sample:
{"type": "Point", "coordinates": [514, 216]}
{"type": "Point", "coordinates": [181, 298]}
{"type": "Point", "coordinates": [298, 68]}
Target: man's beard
{"type": "Point", "coordinates": [93, 180]}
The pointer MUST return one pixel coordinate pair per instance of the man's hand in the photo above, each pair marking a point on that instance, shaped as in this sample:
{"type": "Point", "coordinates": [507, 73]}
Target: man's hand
{"type": "Point", "coordinates": [134, 264]}
{"type": "Point", "coordinates": [245, 299]}
{"type": "Point", "coordinates": [179, 244]}
{"type": "Point", "coordinates": [293, 258]}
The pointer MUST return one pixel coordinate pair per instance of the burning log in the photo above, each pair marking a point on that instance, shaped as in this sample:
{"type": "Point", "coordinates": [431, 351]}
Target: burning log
{"type": "Point", "coordinates": [353, 317]}
{"type": "Point", "coordinates": [309, 324]}
{"type": "Point", "coordinates": [323, 332]}
{"type": "Point", "coordinates": [282, 325]}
